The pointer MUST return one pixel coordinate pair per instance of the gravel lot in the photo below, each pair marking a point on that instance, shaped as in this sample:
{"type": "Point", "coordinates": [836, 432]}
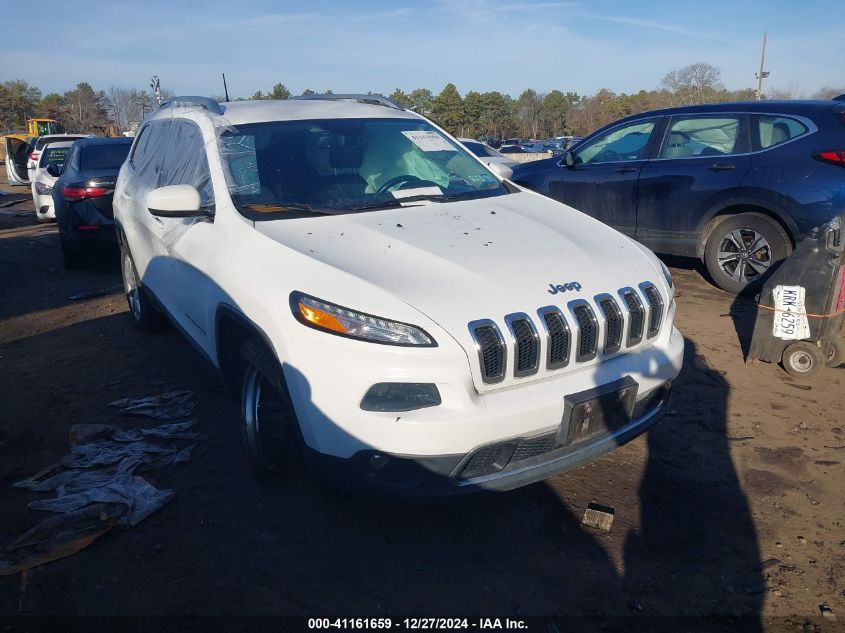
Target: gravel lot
{"type": "Point", "coordinates": [733, 504]}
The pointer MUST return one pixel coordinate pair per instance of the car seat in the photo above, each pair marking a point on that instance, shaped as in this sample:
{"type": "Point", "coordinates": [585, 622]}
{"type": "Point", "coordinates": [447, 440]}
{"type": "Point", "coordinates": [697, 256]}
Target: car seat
{"type": "Point", "coordinates": [677, 146]}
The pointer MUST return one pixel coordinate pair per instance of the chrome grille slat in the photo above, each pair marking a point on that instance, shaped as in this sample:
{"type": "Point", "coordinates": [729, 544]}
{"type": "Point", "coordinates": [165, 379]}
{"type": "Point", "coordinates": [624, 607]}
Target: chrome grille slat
{"type": "Point", "coordinates": [636, 316]}
{"type": "Point", "coordinates": [588, 330]}
{"type": "Point", "coordinates": [492, 354]}
{"type": "Point", "coordinates": [558, 337]}
{"type": "Point", "coordinates": [655, 313]}
{"type": "Point", "coordinates": [526, 344]}
{"type": "Point", "coordinates": [613, 323]}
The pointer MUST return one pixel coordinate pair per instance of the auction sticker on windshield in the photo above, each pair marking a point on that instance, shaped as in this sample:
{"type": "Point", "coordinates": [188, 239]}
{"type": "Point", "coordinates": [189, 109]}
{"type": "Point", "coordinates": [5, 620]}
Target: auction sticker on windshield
{"type": "Point", "coordinates": [791, 322]}
{"type": "Point", "coordinates": [429, 141]}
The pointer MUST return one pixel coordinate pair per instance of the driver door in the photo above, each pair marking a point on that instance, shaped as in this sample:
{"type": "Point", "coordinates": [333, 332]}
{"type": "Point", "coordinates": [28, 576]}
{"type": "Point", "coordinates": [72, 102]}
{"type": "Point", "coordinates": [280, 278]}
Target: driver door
{"type": "Point", "coordinates": [602, 178]}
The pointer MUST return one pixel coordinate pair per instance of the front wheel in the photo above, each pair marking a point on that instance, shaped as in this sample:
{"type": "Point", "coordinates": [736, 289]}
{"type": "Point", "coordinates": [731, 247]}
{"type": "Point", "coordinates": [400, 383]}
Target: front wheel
{"type": "Point", "coordinates": [803, 359]}
{"type": "Point", "coordinates": [743, 249]}
{"type": "Point", "coordinates": [268, 422]}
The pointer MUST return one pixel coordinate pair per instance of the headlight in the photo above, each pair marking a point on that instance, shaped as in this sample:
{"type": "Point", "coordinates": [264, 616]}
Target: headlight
{"type": "Point", "coordinates": [336, 319]}
{"type": "Point", "coordinates": [42, 189]}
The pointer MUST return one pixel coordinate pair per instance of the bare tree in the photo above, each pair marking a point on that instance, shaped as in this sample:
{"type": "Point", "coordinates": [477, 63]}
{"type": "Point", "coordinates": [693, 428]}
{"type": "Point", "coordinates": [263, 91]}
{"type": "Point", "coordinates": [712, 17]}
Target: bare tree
{"type": "Point", "coordinates": [529, 107]}
{"type": "Point", "coordinates": [828, 92]}
{"type": "Point", "coordinates": [692, 84]}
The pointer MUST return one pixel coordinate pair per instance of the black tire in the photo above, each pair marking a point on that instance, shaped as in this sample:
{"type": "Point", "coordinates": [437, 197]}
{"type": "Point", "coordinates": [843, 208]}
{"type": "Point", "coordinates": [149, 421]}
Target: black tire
{"type": "Point", "coordinates": [72, 255]}
{"type": "Point", "coordinates": [142, 310]}
{"type": "Point", "coordinates": [803, 359]}
{"type": "Point", "coordinates": [742, 250]}
{"type": "Point", "coordinates": [269, 426]}
{"type": "Point", "coordinates": [836, 353]}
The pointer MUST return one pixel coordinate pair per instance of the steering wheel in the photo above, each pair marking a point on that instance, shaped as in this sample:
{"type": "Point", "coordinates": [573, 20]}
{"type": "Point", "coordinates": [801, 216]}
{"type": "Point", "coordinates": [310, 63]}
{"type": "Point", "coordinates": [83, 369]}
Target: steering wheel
{"type": "Point", "coordinates": [404, 178]}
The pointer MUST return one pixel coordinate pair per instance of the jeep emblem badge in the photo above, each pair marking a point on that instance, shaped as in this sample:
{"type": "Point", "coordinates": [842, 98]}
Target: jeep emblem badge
{"type": "Point", "coordinates": [555, 289]}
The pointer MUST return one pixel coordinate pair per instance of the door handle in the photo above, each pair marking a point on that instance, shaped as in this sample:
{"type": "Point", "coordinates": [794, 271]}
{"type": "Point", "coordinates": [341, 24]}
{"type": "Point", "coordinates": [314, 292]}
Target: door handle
{"type": "Point", "coordinates": [721, 167]}
{"type": "Point", "coordinates": [625, 170]}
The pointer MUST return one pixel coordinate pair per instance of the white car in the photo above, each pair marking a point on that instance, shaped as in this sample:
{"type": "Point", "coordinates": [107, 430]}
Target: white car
{"type": "Point", "coordinates": [38, 145]}
{"type": "Point", "coordinates": [42, 181]}
{"type": "Point", "coordinates": [487, 154]}
{"type": "Point", "coordinates": [382, 301]}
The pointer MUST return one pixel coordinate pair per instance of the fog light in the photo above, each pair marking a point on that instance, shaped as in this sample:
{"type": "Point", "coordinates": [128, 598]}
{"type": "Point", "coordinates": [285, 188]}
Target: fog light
{"type": "Point", "coordinates": [400, 396]}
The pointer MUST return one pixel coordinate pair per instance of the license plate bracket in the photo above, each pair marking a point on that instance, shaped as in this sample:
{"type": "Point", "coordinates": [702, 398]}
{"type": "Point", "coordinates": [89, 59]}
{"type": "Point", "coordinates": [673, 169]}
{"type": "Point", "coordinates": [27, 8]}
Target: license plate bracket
{"type": "Point", "coordinates": [597, 410]}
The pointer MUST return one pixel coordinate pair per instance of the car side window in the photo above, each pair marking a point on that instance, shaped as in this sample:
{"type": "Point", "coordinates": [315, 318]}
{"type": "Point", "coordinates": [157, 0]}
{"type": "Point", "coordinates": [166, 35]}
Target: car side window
{"type": "Point", "coordinates": [690, 137]}
{"type": "Point", "coordinates": [628, 142]}
{"type": "Point", "coordinates": [185, 161]}
{"type": "Point", "coordinates": [772, 130]}
{"type": "Point", "coordinates": [148, 161]}
{"type": "Point", "coordinates": [140, 146]}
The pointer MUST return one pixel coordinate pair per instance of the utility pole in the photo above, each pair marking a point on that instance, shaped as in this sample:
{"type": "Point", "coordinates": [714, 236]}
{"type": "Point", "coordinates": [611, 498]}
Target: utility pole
{"type": "Point", "coordinates": [156, 86]}
{"type": "Point", "coordinates": [763, 73]}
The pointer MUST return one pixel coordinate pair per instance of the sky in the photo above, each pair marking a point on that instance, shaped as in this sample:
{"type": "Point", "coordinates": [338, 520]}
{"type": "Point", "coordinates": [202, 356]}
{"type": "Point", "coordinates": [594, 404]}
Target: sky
{"type": "Point", "coordinates": [380, 45]}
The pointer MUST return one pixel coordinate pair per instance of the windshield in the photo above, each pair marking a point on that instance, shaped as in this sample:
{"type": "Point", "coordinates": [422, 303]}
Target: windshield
{"type": "Point", "coordinates": [105, 156]}
{"type": "Point", "coordinates": [342, 165]}
{"type": "Point", "coordinates": [43, 140]}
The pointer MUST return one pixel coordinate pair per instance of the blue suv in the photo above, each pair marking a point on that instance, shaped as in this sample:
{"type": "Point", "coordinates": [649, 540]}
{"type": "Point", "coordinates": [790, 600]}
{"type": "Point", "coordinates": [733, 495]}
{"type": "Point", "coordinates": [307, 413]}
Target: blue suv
{"type": "Point", "coordinates": [734, 184]}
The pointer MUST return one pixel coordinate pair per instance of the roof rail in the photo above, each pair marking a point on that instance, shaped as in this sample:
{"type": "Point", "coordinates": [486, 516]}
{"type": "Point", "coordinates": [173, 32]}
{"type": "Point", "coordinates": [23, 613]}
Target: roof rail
{"type": "Point", "coordinates": [204, 102]}
{"type": "Point", "coordinates": [372, 99]}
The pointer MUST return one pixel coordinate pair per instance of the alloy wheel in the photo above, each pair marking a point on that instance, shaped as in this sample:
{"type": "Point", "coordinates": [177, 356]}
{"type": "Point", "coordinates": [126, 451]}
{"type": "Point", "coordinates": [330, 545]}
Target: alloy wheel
{"type": "Point", "coordinates": [744, 255]}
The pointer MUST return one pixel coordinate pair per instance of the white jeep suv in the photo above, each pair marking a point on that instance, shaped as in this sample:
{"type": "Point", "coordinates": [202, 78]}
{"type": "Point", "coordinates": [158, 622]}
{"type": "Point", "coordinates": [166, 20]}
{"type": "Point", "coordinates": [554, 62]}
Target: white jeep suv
{"type": "Point", "coordinates": [384, 302]}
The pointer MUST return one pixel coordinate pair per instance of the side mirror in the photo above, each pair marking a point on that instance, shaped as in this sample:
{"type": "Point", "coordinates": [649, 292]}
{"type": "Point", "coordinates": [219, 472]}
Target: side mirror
{"type": "Point", "coordinates": [502, 171]}
{"type": "Point", "coordinates": [568, 158]}
{"type": "Point", "coordinates": [175, 201]}
{"type": "Point", "coordinates": [55, 170]}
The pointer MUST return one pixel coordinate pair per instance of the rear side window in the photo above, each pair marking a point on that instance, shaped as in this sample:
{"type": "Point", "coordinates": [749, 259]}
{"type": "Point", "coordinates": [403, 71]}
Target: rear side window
{"type": "Point", "coordinates": [53, 156]}
{"type": "Point", "coordinates": [689, 137]}
{"type": "Point", "coordinates": [773, 130]}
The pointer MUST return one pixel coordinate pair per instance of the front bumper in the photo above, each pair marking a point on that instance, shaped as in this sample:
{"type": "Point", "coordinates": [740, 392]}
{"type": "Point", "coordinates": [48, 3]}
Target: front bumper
{"type": "Point", "coordinates": [526, 459]}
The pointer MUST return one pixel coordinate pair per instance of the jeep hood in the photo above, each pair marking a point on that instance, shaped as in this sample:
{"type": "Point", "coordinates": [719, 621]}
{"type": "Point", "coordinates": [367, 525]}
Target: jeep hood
{"type": "Point", "coordinates": [461, 261]}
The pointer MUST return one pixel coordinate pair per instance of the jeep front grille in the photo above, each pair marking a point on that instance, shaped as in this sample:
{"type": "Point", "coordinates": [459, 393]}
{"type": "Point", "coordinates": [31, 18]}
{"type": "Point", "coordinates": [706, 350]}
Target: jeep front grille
{"type": "Point", "coordinates": [491, 350]}
{"type": "Point", "coordinates": [613, 324]}
{"type": "Point", "coordinates": [622, 319]}
{"type": "Point", "coordinates": [655, 302]}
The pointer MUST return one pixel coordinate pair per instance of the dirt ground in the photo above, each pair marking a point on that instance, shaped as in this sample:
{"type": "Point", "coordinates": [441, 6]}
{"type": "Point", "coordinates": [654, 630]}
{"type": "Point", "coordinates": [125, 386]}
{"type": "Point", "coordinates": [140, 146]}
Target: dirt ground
{"type": "Point", "coordinates": [731, 506]}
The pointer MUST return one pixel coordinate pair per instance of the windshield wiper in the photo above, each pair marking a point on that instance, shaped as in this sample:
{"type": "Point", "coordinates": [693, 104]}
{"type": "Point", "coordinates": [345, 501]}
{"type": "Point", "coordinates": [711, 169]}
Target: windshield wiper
{"type": "Point", "coordinates": [398, 202]}
{"type": "Point", "coordinates": [439, 197]}
{"type": "Point", "coordinates": [276, 207]}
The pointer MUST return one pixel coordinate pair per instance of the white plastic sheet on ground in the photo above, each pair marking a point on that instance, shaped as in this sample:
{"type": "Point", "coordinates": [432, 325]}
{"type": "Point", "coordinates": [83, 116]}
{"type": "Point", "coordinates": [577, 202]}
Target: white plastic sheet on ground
{"type": "Point", "coordinates": [97, 486]}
